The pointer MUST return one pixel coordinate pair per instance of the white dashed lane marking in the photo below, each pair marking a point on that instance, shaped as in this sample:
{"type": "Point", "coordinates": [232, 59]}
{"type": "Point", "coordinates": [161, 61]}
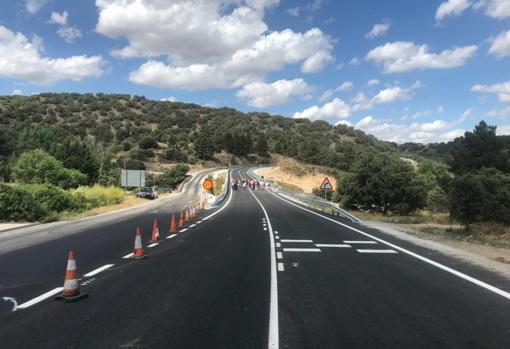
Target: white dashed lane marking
{"type": "Point", "coordinates": [278, 244]}
{"type": "Point", "coordinates": [368, 242]}
{"type": "Point", "coordinates": [98, 270]}
{"type": "Point", "coordinates": [171, 236]}
{"type": "Point", "coordinates": [183, 230]}
{"type": "Point", "coordinates": [153, 245]}
{"type": "Point", "coordinates": [377, 251]}
{"type": "Point", "coordinates": [333, 245]}
{"type": "Point", "coordinates": [128, 255]}
{"type": "Point", "coordinates": [301, 241]}
{"type": "Point", "coordinates": [279, 255]}
{"type": "Point", "coordinates": [301, 250]}
{"type": "Point", "coordinates": [280, 267]}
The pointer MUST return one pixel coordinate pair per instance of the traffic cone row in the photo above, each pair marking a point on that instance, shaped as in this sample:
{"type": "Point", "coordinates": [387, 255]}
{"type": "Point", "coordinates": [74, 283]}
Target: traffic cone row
{"type": "Point", "coordinates": [71, 290]}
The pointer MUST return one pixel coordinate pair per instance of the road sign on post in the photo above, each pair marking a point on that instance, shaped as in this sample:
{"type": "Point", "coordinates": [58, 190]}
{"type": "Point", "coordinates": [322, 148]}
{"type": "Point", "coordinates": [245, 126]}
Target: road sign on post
{"type": "Point", "coordinates": [132, 178]}
{"type": "Point", "coordinates": [208, 184]}
{"type": "Point", "coordinates": [326, 185]}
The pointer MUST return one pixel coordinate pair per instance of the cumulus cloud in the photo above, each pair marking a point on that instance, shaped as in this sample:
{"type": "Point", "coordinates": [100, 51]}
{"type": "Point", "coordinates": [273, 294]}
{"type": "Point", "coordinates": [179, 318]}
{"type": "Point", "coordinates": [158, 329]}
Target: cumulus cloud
{"type": "Point", "coordinates": [22, 59]}
{"type": "Point", "coordinates": [33, 6]}
{"type": "Point", "coordinates": [415, 132]}
{"type": "Point", "coordinates": [372, 82]}
{"type": "Point", "coordinates": [263, 95]}
{"type": "Point", "coordinates": [378, 29]}
{"type": "Point", "coordinates": [404, 56]}
{"type": "Point", "coordinates": [57, 18]}
{"type": "Point", "coordinates": [498, 9]}
{"type": "Point", "coordinates": [201, 36]}
{"type": "Point", "coordinates": [500, 45]}
{"type": "Point", "coordinates": [451, 8]}
{"type": "Point", "coordinates": [16, 92]}
{"type": "Point", "coordinates": [69, 34]}
{"type": "Point", "coordinates": [502, 90]}
{"type": "Point", "coordinates": [336, 109]}
{"type": "Point", "coordinates": [503, 130]}
{"type": "Point", "coordinates": [384, 96]}
{"type": "Point", "coordinates": [345, 86]}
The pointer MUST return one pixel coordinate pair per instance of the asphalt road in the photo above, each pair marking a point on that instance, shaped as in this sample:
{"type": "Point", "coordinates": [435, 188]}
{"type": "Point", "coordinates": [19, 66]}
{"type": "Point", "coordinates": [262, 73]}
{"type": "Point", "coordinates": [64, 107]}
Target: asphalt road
{"type": "Point", "coordinates": [256, 272]}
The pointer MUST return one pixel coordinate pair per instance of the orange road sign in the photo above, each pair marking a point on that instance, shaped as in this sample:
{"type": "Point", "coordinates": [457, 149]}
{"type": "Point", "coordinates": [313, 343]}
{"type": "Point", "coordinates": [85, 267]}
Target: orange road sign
{"type": "Point", "coordinates": [208, 184]}
{"type": "Point", "coordinates": [326, 184]}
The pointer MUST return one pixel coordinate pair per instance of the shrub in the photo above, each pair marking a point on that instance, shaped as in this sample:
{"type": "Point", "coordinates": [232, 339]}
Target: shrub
{"type": "Point", "coordinates": [17, 204]}
{"type": "Point", "coordinates": [148, 143]}
{"type": "Point", "coordinates": [97, 195]}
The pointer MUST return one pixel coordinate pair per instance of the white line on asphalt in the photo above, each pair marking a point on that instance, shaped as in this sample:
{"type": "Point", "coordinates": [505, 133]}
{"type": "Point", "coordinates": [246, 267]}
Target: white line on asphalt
{"type": "Point", "coordinates": [333, 245]}
{"type": "Point", "coordinates": [191, 226]}
{"type": "Point", "coordinates": [265, 228]}
{"type": "Point", "coordinates": [274, 339]}
{"type": "Point", "coordinates": [40, 298]}
{"type": "Point", "coordinates": [152, 245]}
{"type": "Point", "coordinates": [278, 244]}
{"type": "Point", "coordinates": [277, 238]}
{"type": "Point", "coordinates": [98, 270]}
{"type": "Point", "coordinates": [199, 222]}
{"type": "Point", "coordinates": [303, 241]}
{"type": "Point", "coordinates": [279, 255]}
{"type": "Point", "coordinates": [276, 232]}
{"type": "Point", "coordinates": [128, 255]}
{"type": "Point", "coordinates": [360, 242]}
{"type": "Point", "coordinates": [412, 254]}
{"type": "Point", "coordinates": [280, 267]}
{"type": "Point", "coordinates": [221, 208]}
{"type": "Point", "coordinates": [183, 230]}
{"type": "Point", "coordinates": [171, 236]}
{"type": "Point", "coordinates": [301, 250]}
{"type": "Point", "coordinates": [377, 251]}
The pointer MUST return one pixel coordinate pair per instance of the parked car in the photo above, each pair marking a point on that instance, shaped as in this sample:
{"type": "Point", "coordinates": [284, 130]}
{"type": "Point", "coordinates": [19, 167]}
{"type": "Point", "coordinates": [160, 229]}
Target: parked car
{"type": "Point", "coordinates": [147, 193]}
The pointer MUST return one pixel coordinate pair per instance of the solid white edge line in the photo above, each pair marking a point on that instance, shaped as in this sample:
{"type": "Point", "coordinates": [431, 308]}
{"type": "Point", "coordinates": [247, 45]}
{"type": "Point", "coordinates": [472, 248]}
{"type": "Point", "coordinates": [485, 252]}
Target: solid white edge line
{"type": "Point", "coordinates": [303, 241]}
{"type": "Point", "coordinates": [360, 242]}
{"type": "Point", "coordinates": [302, 250]}
{"type": "Point", "coordinates": [377, 251]}
{"type": "Point", "coordinates": [273, 340]}
{"type": "Point", "coordinates": [171, 236]}
{"type": "Point", "coordinates": [40, 298]}
{"type": "Point", "coordinates": [128, 255]}
{"type": "Point", "coordinates": [412, 254]}
{"type": "Point", "coordinates": [153, 245]}
{"type": "Point", "coordinates": [332, 245]}
{"type": "Point", "coordinates": [280, 267]}
{"type": "Point", "coordinates": [98, 270]}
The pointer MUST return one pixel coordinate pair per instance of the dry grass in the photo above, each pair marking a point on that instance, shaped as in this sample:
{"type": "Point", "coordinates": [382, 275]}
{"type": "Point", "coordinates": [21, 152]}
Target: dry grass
{"type": "Point", "coordinates": [294, 175]}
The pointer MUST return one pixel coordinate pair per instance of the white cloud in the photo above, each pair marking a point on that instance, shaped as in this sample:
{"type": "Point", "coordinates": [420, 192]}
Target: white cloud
{"type": "Point", "coordinates": [451, 135]}
{"type": "Point", "coordinates": [16, 92]}
{"type": "Point", "coordinates": [502, 90]}
{"type": "Point", "coordinates": [206, 37]}
{"type": "Point", "coordinates": [503, 130]}
{"type": "Point", "coordinates": [33, 6]}
{"type": "Point", "coordinates": [404, 56]}
{"type": "Point", "coordinates": [385, 96]}
{"type": "Point", "coordinates": [263, 95]}
{"type": "Point", "coordinates": [21, 59]}
{"type": "Point", "coordinates": [503, 113]}
{"type": "Point", "coordinates": [377, 30]}
{"type": "Point", "coordinates": [326, 95]}
{"type": "Point", "coordinates": [57, 18]}
{"type": "Point", "coordinates": [451, 8]}
{"type": "Point", "coordinates": [372, 82]}
{"type": "Point", "coordinates": [294, 11]}
{"type": "Point", "coordinates": [344, 122]}
{"type": "Point", "coordinates": [345, 86]}
{"type": "Point", "coordinates": [336, 109]}
{"type": "Point", "coordinates": [169, 99]}
{"type": "Point", "coordinates": [498, 9]}
{"type": "Point", "coordinates": [500, 46]}
{"type": "Point", "coordinates": [400, 133]}
{"type": "Point", "coordinates": [355, 61]}
{"type": "Point", "coordinates": [69, 34]}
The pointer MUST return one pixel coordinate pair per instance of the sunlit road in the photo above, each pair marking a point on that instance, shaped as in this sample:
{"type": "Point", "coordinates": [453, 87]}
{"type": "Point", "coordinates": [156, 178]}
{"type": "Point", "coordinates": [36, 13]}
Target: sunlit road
{"type": "Point", "coordinates": [258, 271]}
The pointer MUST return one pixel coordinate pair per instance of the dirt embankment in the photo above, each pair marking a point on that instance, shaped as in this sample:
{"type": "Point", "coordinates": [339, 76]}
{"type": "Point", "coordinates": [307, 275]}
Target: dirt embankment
{"type": "Point", "coordinates": [292, 174]}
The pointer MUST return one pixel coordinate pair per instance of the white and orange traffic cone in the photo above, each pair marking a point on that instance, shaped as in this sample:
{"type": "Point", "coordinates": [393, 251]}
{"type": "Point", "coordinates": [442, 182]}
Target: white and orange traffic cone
{"type": "Point", "coordinates": [71, 290]}
{"type": "Point", "coordinates": [155, 232]}
{"type": "Point", "coordinates": [138, 251]}
{"type": "Point", "coordinates": [173, 227]}
{"type": "Point", "coordinates": [186, 215]}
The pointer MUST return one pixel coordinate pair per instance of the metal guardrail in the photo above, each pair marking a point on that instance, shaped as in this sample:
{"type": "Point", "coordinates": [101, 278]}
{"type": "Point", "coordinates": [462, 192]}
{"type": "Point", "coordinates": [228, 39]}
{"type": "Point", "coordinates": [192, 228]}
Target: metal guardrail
{"type": "Point", "coordinates": [308, 200]}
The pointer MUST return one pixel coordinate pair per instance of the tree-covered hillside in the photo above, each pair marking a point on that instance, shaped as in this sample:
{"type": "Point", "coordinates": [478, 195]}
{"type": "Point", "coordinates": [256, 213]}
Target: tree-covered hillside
{"type": "Point", "coordinates": [135, 129]}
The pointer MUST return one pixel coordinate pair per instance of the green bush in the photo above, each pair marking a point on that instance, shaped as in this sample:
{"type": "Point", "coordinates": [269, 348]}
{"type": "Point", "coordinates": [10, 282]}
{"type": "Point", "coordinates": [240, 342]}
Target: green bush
{"type": "Point", "coordinates": [52, 198]}
{"type": "Point", "coordinates": [17, 204]}
{"type": "Point", "coordinates": [97, 195]}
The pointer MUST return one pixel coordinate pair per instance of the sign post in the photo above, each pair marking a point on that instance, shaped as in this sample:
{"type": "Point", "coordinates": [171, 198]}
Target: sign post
{"type": "Point", "coordinates": [326, 185]}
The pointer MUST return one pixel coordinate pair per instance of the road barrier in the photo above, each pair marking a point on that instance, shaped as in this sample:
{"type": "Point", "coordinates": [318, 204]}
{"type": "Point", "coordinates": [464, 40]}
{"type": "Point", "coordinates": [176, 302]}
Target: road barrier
{"type": "Point", "coordinates": [155, 232]}
{"type": "Point", "coordinates": [308, 200]}
{"type": "Point", "coordinates": [138, 250]}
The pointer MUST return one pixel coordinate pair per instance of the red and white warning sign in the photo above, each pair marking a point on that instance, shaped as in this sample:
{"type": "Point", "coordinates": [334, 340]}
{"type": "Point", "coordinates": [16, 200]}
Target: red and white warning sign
{"type": "Point", "coordinates": [326, 184]}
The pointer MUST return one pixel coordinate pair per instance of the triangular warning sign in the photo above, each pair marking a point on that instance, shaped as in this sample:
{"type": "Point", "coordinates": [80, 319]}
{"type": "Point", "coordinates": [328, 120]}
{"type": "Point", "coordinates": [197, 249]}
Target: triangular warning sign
{"type": "Point", "coordinates": [326, 184]}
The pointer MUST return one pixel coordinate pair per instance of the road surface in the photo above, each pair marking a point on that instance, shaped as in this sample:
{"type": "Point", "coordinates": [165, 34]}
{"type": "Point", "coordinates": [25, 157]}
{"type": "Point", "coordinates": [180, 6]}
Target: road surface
{"type": "Point", "coordinates": [258, 271]}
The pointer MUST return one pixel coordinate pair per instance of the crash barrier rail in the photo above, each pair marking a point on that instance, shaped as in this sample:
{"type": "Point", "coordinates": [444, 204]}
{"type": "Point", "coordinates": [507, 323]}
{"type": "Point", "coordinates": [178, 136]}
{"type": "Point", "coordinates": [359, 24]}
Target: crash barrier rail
{"type": "Point", "coordinates": [308, 200]}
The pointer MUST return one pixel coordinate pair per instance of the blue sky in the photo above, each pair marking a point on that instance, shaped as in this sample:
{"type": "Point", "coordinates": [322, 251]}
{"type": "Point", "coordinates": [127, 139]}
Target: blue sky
{"type": "Point", "coordinates": [403, 70]}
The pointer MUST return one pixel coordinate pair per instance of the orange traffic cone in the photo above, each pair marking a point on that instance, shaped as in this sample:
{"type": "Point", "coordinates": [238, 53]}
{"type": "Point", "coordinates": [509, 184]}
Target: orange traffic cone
{"type": "Point", "coordinates": [181, 219]}
{"type": "Point", "coordinates": [71, 291]}
{"type": "Point", "coordinates": [138, 251]}
{"type": "Point", "coordinates": [186, 215]}
{"type": "Point", "coordinates": [155, 232]}
{"type": "Point", "coordinates": [173, 228]}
